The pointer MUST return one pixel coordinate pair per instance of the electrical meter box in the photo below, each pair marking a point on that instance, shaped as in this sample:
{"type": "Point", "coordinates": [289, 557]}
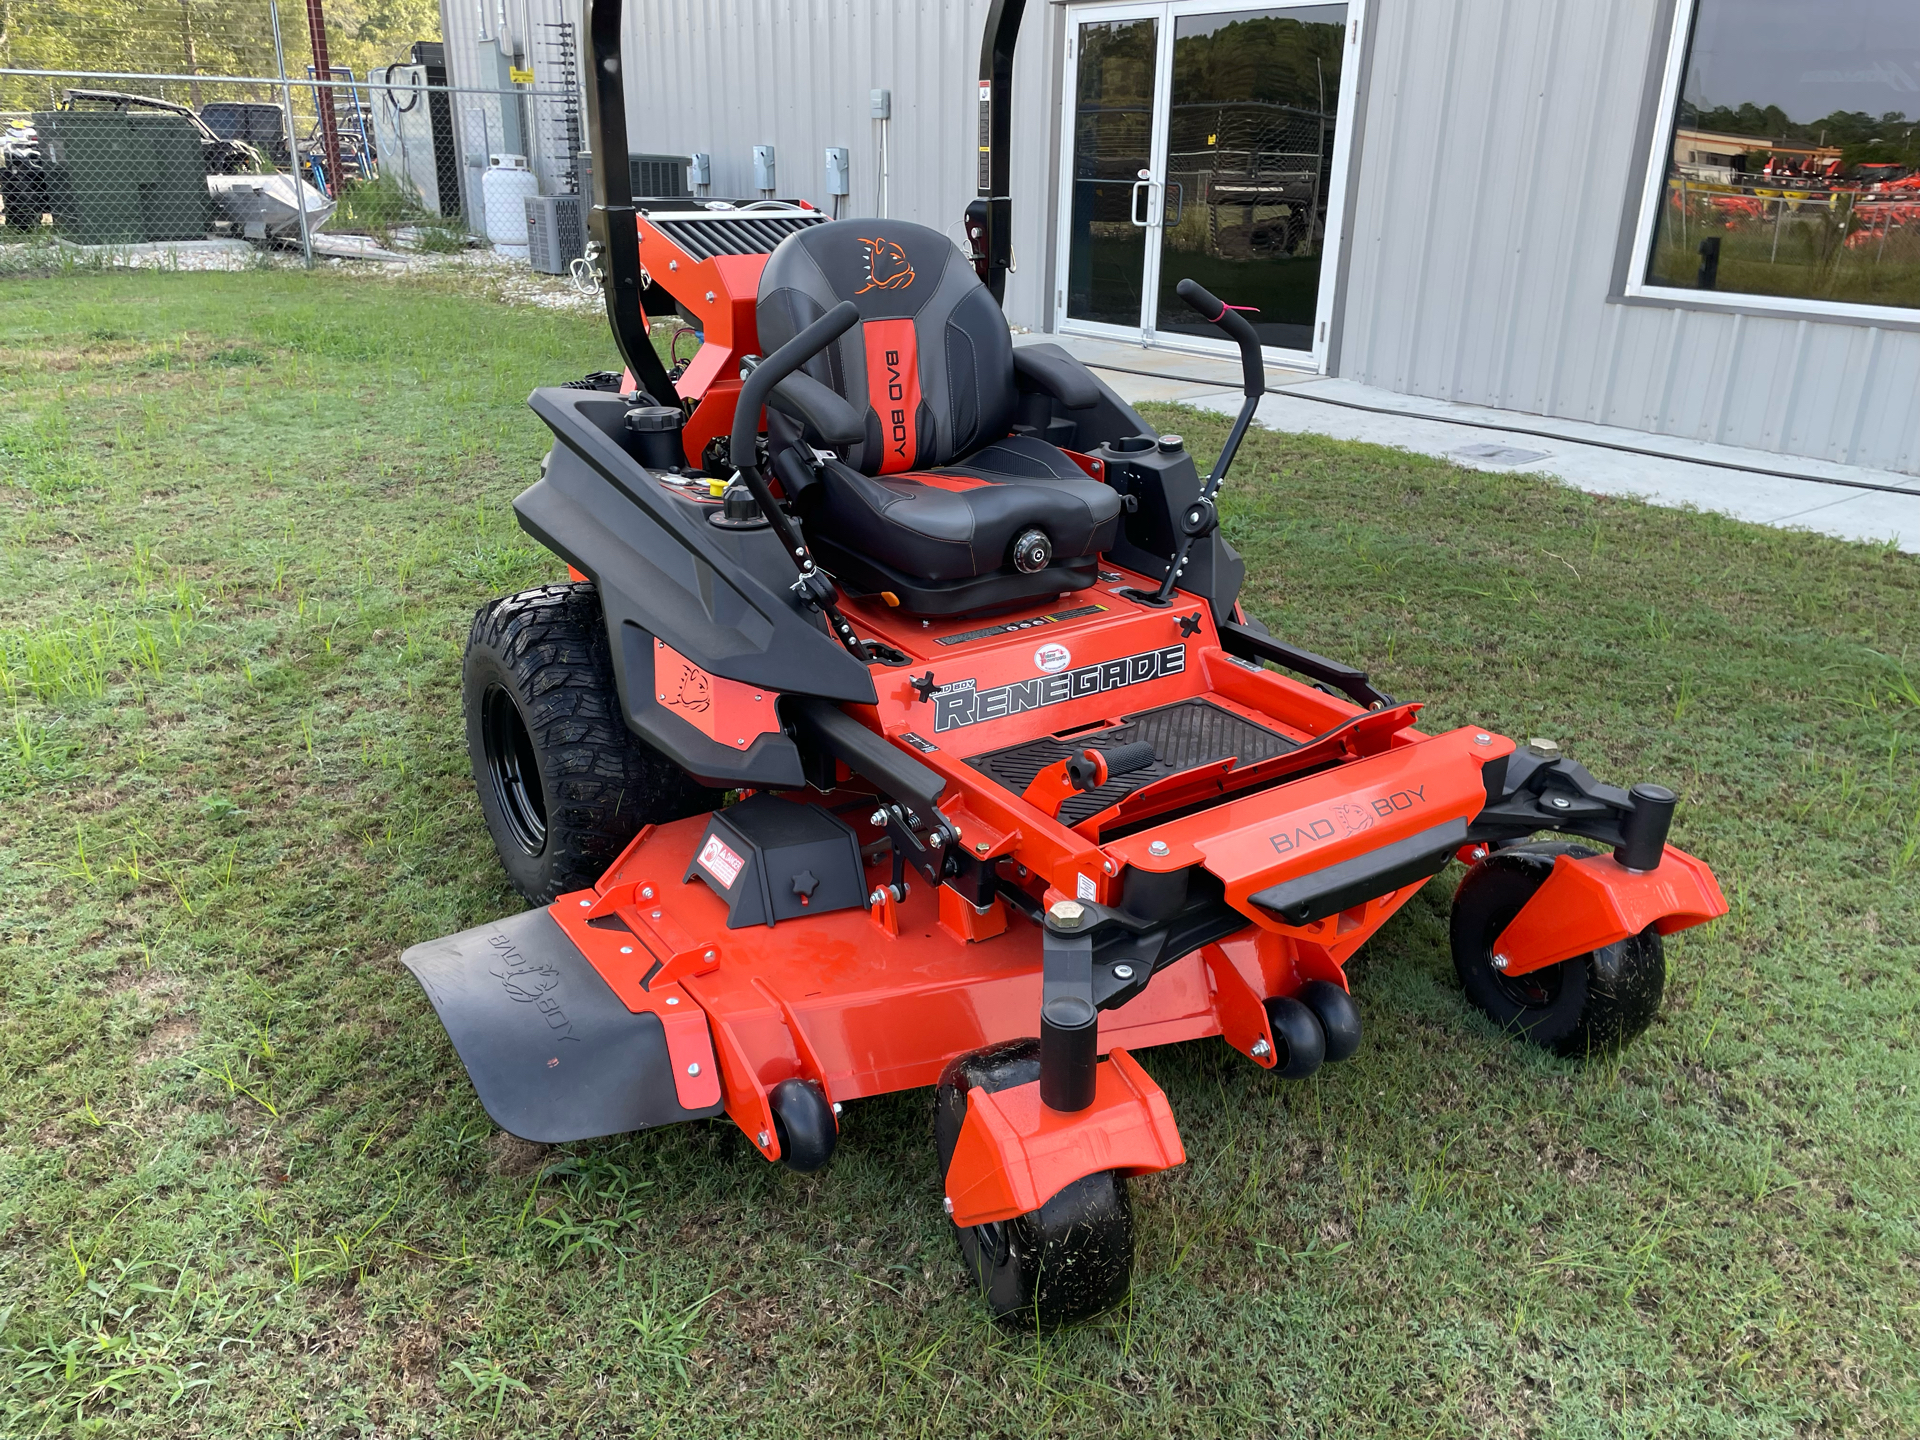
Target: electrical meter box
{"type": "Point", "coordinates": [700, 168]}
{"type": "Point", "coordinates": [763, 167]}
{"type": "Point", "coordinates": [838, 168]}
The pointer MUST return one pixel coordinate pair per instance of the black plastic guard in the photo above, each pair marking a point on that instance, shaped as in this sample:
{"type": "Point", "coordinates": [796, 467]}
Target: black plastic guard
{"type": "Point", "coordinates": [551, 1051]}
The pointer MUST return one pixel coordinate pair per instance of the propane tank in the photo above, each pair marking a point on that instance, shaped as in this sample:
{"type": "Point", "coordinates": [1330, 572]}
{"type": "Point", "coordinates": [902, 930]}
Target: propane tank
{"type": "Point", "coordinates": [504, 191]}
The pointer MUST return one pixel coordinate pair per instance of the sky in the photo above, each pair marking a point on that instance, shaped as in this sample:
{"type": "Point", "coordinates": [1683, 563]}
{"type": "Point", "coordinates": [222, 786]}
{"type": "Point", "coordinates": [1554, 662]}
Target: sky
{"type": "Point", "coordinates": [1809, 57]}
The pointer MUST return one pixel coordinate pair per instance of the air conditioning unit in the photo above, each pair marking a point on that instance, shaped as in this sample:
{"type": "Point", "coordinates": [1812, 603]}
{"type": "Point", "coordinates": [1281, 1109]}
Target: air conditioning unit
{"type": "Point", "coordinates": [556, 236]}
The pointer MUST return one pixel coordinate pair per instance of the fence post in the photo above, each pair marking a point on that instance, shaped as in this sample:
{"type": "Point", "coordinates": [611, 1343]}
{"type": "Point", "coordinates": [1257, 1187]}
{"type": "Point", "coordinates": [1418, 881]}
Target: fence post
{"type": "Point", "coordinates": [293, 140]}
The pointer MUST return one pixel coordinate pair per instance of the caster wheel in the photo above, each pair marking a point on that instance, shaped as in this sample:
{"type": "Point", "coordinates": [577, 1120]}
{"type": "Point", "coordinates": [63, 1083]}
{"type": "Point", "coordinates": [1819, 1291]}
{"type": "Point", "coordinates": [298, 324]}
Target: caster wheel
{"type": "Point", "coordinates": [1066, 1261]}
{"type": "Point", "coordinates": [1339, 1017]}
{"type": "Point", "coordinates": [1582, 1005]}
{"type": "Point", "coordinates": [1298, 1041]}
{"type": "Point", "coordinates": [803, 1120]}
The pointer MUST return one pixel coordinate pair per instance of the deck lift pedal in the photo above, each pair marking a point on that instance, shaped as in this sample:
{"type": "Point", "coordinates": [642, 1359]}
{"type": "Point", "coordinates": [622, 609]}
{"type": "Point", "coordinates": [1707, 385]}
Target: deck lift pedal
{"type": "Point", "coordinates": [1018, 788]}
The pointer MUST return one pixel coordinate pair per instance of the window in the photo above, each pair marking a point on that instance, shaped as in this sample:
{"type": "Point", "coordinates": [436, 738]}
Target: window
{"type": "Point", "coordinates": [1787, 165]}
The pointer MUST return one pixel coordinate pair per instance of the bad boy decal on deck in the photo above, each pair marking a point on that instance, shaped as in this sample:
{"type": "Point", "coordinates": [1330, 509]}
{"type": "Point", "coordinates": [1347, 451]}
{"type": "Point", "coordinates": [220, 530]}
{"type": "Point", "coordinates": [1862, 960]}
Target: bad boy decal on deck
{"type": "Point", "coordinates": [961, 703]}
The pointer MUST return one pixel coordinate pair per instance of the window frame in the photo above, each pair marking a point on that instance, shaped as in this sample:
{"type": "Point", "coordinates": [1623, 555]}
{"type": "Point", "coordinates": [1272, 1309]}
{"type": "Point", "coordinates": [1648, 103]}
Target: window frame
{"type": "Point", "coordinates": [1666, 120]}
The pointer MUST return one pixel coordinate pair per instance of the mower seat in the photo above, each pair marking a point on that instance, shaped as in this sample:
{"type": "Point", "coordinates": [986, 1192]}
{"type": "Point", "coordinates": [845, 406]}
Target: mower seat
{"type": "Point", "coordinates": [931, 503]}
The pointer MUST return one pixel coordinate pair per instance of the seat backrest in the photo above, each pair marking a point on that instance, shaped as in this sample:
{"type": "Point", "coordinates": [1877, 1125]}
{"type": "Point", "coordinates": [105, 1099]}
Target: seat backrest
{"type": "Point", "coordinates": [931, 362]}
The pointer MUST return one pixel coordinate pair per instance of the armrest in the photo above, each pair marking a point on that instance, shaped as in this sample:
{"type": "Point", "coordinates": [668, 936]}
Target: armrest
{"type": "Point", "coordinates": [1049, 368]}
{"type": "Point", "coordinates": [821, 410]}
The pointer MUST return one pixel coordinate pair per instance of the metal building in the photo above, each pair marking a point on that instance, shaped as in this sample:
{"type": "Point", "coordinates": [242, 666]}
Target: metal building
{"type": "Point", "coordinates": [1479, 201]}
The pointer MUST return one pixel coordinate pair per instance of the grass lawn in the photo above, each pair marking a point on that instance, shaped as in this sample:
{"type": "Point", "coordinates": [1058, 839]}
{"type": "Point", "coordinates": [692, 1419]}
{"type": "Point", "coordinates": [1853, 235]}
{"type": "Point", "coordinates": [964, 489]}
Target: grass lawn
{"type": "Point", "coordinates": [245, 1187]}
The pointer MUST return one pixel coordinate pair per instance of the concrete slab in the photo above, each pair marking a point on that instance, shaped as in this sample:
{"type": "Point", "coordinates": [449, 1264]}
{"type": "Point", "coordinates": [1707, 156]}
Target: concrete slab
{"type": "Point", "coordinates": [1845, 501]}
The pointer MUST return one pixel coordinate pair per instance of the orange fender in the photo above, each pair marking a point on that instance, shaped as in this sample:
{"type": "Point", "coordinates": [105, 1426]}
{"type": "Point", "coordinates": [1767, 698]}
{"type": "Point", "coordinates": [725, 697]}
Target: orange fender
{"type": "Point", "coordinates": [1014, 1154]}
{"type": "Point", "coordinates": [1587, 903]}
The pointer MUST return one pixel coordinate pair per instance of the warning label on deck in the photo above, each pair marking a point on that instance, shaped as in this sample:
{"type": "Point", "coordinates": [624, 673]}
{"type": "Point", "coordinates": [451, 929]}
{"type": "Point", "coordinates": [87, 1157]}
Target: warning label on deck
{"type": "Point", "coordinates": [720, 862]}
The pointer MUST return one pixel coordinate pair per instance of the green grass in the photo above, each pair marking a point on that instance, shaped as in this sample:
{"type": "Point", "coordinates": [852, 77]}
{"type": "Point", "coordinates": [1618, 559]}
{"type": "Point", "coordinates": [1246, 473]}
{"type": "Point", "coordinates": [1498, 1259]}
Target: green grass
{"type": "Point", "coordinates": [245, 1187]}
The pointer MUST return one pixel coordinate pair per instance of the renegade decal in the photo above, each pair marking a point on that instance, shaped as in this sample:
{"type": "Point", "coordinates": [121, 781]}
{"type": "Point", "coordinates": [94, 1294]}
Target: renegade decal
{"type": "Point", "coordinates": [961, 702]}
{"type": "Point", "coordinates": [893, 390]}
{"type": "Point", "coordinates": [887, 266]}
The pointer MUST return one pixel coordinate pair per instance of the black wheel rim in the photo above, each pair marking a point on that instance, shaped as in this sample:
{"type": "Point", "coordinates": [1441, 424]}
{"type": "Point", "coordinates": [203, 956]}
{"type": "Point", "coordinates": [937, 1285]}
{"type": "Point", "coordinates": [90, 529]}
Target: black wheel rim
{"type": "Point", "coordinates": [1536, 990]}
{"type": "Point", "coordinates": [514, 770]}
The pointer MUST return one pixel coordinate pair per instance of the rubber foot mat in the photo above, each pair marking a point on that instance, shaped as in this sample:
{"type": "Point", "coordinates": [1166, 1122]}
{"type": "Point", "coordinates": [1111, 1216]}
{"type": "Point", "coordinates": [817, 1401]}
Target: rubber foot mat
{"type": "Point", "coordinates": [1185, 735]}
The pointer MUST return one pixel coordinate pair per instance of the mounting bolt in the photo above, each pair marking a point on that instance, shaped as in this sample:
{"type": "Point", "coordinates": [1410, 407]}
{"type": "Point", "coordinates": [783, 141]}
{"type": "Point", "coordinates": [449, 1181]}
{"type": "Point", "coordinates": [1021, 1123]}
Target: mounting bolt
{"type": "Point", "coordinates": [1560, 802]}
{"type": "Point", "coordinates": [764, 1139]}
{"type": "Point", "coordinates": [656, 915]}
{"type": "Point", "coordinates": [877, 897]}
{"type": "Point", "coordinates": [584, 904]}
{"type": "Point", "coordinates": [626, 949]}
{"type": "Point", "coordinates": [646, 892]}
{"type": "Point", "coordinates": [1111, 868]}
{"type": "Point", "coordinates": [1260, 1050]}
{"type": "Point", "coordinates": [1068, 914]}
{"type": "Point", "coordinates": [1123, 972]}
{"type": "Point", "coordinates": [946, 1204]}
{"type": "Point", "coordinates": [1500, 962]}
{"type": "Point", "coordinates": [1479, 852]}
{"type": "Point", "coordinates": [1158, 847]}
{"type": "Point", "coordinates": [1483, 739]}
{"type": "Point", "coordinates": [708, 955]}
{"type": "Point", "coordinates": [981, 846]}
{"type": "Point", "coordinates": [673, 999]}
{"type": "Point", "coordinates": [879, 817]}
{"type": "Point", "coordinates": [694, 1068]}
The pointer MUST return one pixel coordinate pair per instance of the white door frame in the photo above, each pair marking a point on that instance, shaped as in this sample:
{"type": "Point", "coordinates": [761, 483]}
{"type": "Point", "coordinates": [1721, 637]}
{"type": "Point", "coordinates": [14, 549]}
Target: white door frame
{"type": "Point", "coordinates": [1166, 12]}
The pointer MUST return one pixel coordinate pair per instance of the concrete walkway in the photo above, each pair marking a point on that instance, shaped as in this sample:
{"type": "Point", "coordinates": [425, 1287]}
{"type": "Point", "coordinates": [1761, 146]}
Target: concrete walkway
{"type": "Point", "coordinates": [1845, 501]}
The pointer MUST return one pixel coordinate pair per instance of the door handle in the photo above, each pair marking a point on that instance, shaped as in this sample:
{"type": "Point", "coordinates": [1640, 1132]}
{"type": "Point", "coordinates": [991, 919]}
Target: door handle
{"type": "Point", "coordinates": [1133, 203]}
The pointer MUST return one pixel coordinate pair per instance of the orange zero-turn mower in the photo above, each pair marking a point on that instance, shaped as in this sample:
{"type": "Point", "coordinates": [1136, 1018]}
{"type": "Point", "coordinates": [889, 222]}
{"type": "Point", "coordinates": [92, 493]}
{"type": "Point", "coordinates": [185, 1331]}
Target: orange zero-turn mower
{"type": "Point", "coordinates": [1015, 790]}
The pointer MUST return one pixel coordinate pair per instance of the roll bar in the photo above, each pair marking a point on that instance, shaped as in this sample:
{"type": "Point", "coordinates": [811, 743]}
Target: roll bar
{"type": "Point", "coordinates": [614, 218]}
{"type": "Point", "coordinates": [989, 218]}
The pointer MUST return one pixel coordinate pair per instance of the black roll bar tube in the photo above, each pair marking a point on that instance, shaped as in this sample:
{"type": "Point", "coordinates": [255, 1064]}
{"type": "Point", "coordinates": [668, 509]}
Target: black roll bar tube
{"type": "Point", "coordinates": [989, 219]}
{"type": "Point", "coordinates": [614, 222]}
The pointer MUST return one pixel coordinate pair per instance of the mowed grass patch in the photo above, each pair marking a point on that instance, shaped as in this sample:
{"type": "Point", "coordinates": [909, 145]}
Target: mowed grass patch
{"type": "Point", "coordinates": [245, 1187]}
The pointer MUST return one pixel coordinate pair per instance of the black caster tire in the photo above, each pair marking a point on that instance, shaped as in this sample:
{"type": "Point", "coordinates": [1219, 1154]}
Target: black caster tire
{"type": "Point", "coordinates": [1063, 1263]}
{"type": "Point", "coordinates": [1582, 1006]}
{"type": "Point", "coordinates": [1299, 1044]}
{"type": "Point", "coordinates": [564, 785]}
{"type": "Point", "coordinates": [803, 1120]}
{"type": "Point", "coordinates": [1339, 1017]}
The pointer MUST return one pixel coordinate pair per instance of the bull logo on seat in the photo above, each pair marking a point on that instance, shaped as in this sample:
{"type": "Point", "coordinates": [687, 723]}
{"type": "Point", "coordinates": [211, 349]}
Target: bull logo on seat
{"type": "Point", "coordinates": [887, 266]}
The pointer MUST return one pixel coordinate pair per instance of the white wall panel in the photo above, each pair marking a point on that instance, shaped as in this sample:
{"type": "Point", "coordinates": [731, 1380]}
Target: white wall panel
{"type": "Point", "coordinates": [1499, 158]}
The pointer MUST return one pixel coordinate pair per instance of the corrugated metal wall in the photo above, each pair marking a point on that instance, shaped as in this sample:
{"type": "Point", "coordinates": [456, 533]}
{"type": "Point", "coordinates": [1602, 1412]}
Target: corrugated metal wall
{"type": "Point", "coordinates": [1498, 160]}
{"type": "Point", "coordinates": [725, 75]}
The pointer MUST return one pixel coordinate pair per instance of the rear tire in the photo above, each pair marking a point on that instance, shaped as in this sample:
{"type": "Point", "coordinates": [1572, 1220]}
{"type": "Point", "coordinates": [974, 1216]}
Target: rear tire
{"type": "Point", "coordinates": [564, 785]}
{"type": "Point", "coordinates": [1579, 1007]}
{"type": "Point", "coordinates": [1065, 1262]}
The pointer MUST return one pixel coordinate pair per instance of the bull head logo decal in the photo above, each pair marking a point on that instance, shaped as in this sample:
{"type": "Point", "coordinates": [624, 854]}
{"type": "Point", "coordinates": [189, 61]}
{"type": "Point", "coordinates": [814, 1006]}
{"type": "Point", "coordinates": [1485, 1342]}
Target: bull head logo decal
{"type": "Point", "coordinates": [887, 267]}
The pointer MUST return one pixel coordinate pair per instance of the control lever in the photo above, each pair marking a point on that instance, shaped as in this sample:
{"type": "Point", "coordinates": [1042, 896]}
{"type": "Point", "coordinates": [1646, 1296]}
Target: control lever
{"type": "Point", "coordinates": [1200, 518]}
{"type": "Point", "coordinates": [813, 586]}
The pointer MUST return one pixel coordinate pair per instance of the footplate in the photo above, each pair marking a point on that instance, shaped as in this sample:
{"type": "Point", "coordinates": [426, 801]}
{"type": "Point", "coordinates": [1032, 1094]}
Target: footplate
{"type": "Point", "coordinates": [553, 1053]}
{"type": "Point", "coordinates": [1185, 735]}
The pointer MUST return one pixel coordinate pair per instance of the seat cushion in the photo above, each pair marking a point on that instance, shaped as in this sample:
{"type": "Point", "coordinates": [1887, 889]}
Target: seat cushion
{"type": "Point", "coordinates": [960, 521]}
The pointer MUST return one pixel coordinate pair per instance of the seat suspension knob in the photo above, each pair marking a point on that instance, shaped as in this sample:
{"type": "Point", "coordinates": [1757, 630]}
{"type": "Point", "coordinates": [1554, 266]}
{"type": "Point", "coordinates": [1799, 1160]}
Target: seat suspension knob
{"type": "Point", "coordinates": [1032, 552]}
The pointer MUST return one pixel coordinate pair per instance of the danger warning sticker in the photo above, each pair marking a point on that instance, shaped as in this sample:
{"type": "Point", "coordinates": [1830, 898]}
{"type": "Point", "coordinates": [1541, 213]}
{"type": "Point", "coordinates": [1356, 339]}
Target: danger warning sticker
{"type": "Point", "coordinates": [720, 862]}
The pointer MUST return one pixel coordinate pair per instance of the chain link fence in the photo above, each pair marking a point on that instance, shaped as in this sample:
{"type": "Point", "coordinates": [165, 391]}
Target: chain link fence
{"type": "Point", "coordinates": [217, 164]}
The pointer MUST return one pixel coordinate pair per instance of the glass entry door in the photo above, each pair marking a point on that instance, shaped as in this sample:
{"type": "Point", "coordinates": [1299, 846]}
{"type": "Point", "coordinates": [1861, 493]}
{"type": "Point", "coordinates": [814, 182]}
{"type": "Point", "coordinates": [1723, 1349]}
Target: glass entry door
{"type": "Point", "coordinates": [1204, 140]}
